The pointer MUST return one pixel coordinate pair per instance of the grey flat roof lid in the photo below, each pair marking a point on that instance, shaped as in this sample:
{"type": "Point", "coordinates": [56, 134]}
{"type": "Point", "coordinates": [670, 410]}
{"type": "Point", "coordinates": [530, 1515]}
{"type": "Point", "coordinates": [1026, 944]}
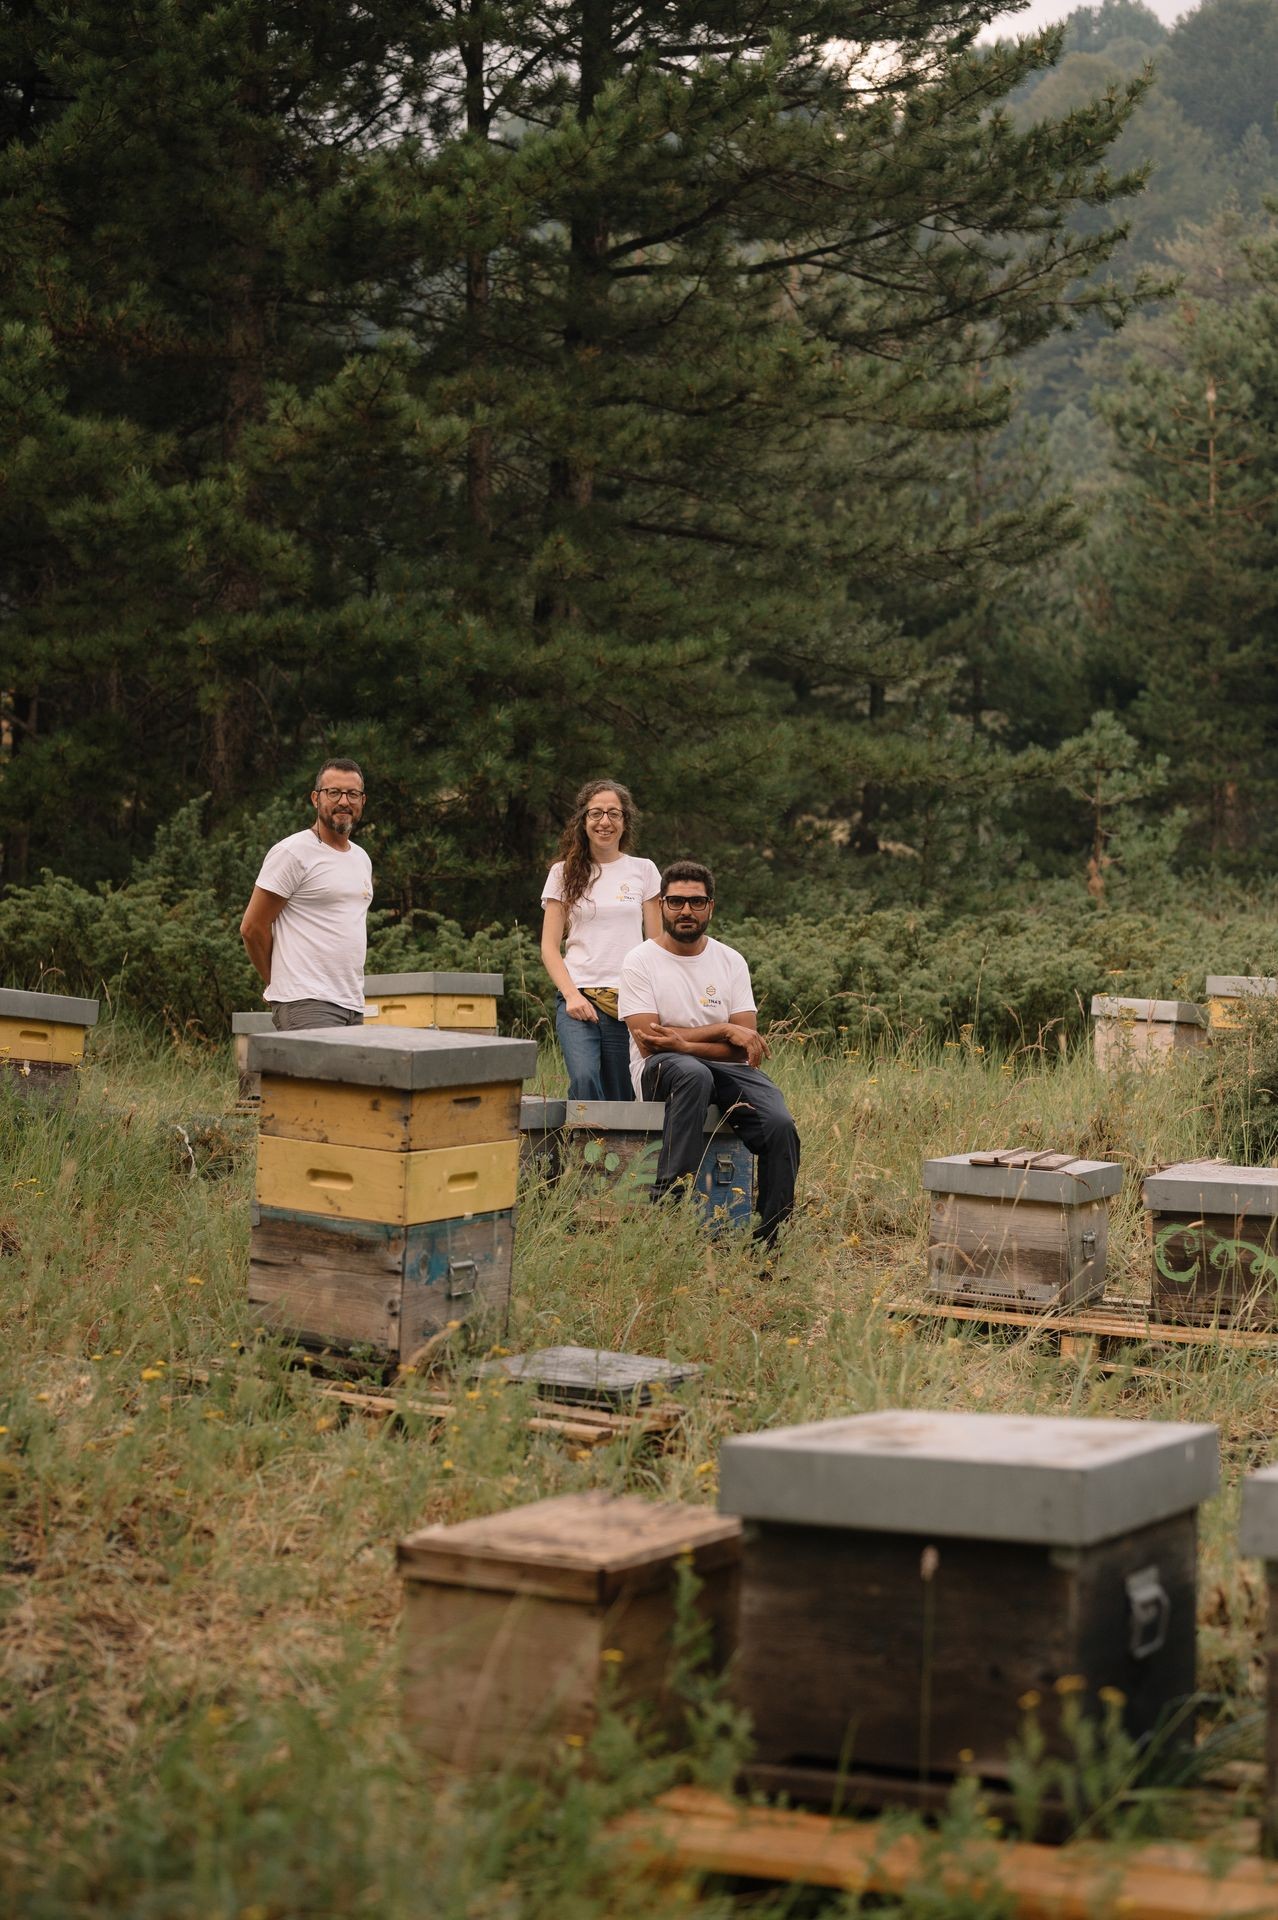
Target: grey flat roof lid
{"type": "Point", "coordinates": [593, 1373]}
{"type": "Point", "coordinates": [537, 1113]}
{"type": "Point", "coordinates": [1237, 985]}
{"type": "Point", "coordinates": [18, 1004]}
{"type": "Point", "coordinates": [1109, 1006]}
{"type": "Point", "coordinates": [410, 1058]}
{"type": "Point", "coordinates": [971, 1476]}
{"type": "Point", "coordinates": [485, 983]}
{"type": "Point", "coordinates": [252, 1023]}
{"type": "Point", "coordinates": [1212, 1186]}
{"type": "Point", "coordinates": [1258, 1527]}
{"type": "Point", "coordinates": [1071, 1185]}
{"type": "Point", "coordinates": [626, 1116]}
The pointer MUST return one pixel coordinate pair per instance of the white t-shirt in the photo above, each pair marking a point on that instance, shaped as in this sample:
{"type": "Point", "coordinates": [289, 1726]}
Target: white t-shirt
{"type": "Point", "coordinates": [320, 936]}
{"type": "Point", "coordinates": [607, 921]}
{"type": "Point", "coordinates": [683, 990]}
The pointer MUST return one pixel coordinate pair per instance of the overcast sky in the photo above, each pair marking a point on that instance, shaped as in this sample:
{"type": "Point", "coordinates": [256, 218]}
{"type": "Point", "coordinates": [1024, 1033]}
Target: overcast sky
{"type": "Point", "coordinates": [1041, 13]}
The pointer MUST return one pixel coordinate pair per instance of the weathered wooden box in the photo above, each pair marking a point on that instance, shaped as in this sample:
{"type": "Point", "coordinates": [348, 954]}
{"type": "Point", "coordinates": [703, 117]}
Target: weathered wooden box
{"type": "Point", "coordinates": [465, 1002]}
{"type": "Point", "coordinates": [1015, 1225]}
{"type": "Point", "coordinates": [518, 1627]}
{"type": "Point", "coordinates": [1228, 995]}
{"type": "Point", "coordinates": [613, 1146]}
{"type": "Point", "coordinates": [386, 1173]}
{"type": "Point", "coordinates": [42, 1039]}
{"type": "Point", "coordinates": [1214, 1234]}
{"type": "Point", "coordinates": [242, 1026]}
{"type": "Point", "coordinates": [541, 1132]}
{"type": "Point", "coordinates": [1144, 1033]}
{"type": "Point", "coordinates": [1258, 1536]}
{"type": "Point", "coordinates": [910, 1579]}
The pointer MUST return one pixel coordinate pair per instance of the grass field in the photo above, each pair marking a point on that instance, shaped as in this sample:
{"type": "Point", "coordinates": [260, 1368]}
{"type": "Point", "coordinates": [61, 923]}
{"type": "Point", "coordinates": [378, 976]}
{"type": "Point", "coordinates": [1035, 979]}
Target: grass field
{"type": "Point", "coordinates": [198, 1591]}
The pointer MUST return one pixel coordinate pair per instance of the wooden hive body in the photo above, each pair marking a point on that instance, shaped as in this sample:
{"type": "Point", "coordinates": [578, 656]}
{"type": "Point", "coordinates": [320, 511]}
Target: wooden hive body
{"type": "Point", "coordinates": [42, 1038]}
{"type": "Point", "coordinates": [1214, 1243]}
{"type": "Point", "coordinates": [909, 1579]}
{"type": "Point", "coordinates": [455, 1002]}
{"type": "Point", "coordinates": [1014, 1225]}
{"type": "Point", "coordinates": [613, 1146]}
{"type": "Point", "coordinates": [385, 1192]}
{"type": "Point", "coordinates": [519, 1627]}
{"type": "Point", "coordinates": [1144, 1033]}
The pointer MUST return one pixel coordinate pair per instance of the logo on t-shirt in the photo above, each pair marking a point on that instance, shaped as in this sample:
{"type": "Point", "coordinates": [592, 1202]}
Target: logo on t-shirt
{"type": "Point", "coordinates": [711, 997]}
{"type": "Point", "coordinates": [630, 890]}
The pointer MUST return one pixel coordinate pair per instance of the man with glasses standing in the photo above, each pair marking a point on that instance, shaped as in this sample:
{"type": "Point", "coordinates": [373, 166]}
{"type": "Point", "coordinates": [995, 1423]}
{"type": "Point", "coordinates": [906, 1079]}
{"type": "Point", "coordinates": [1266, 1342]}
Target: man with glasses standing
{"type": "Point", "coordinates": [305, 926]}
{"type": "Point", "coordinates": [694, 1042]}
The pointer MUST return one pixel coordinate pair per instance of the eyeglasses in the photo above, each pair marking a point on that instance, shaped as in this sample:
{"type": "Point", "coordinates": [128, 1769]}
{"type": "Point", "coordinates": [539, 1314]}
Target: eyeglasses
{"type": "Point", "coordinates": [341, 793]}
{"type": "Point", "coordinates": [695, 902]}
{"type": "Point", "coordinates": [596, 814]}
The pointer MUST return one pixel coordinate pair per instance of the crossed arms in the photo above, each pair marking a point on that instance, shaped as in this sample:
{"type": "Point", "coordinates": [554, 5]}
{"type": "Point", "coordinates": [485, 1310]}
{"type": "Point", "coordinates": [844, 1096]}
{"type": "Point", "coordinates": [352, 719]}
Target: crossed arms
{"type": "Point", "coordinates": [736, 1038]}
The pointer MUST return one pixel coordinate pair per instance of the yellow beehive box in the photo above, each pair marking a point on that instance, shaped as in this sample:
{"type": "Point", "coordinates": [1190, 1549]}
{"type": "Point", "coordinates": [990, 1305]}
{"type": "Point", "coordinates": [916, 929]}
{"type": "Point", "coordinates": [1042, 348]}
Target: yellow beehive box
{"type": "Point", "coordinates": [460, 1002]}
{"type": "Point", "coordinates": [371, 1183]}
{"type": "Point", "coordinates": [44, 1031]}
{"type": "Point", "coordinates": [1228, 994]}
{"type": "Point", "coordinates": [392, 1118]}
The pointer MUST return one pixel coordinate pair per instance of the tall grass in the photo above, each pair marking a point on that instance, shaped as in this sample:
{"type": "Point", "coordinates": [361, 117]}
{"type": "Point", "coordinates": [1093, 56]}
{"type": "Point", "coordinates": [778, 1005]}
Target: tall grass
{"type": "Point", "coordinates": [198, 1597]}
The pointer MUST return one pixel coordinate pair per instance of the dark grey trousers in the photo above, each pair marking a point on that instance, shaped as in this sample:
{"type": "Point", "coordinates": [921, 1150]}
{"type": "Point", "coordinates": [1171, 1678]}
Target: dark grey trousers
{"type": "Point", "coordinates": [290, 1015]}
{"type": "Point", "coordinates": [754, 1108]}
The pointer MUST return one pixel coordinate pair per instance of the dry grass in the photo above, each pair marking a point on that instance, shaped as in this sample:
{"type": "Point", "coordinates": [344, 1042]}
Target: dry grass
{"type": "Point", "coordinates": [198, 1600]}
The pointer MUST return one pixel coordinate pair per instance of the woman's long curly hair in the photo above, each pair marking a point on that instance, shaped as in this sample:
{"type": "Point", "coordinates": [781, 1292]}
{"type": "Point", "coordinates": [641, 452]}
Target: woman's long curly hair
{"type": "Point", "coordinates": [580, 866]}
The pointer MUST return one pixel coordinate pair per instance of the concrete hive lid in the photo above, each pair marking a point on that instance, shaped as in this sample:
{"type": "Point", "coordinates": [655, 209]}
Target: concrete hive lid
{"type": "Point", "coordinates": [483, 983]}
{"type": "Point", "coordinates": [971, 1476]}
{"type": "Point", "coordinates": [62, 1009]}
{"type": "Point", "coordinates": [626, 1116]}
{"type": "Point", "coordinates": [252, 1023]}
{"type": "Point", "coordinates": [1108, 1006]}
{"type": "Point", "coordinates": [1021, 1174]}
{"type": "Point", "coordinates": [1212, 1186]}
{"type": "Point", "coordinates": [1258, 1527]}
{"type": "Point", "coordinates": [409, 1058]}
{"type": "Point", "coordinates": [1236, 986]}
{"type": "Point", "coordinates": [593, 1376]}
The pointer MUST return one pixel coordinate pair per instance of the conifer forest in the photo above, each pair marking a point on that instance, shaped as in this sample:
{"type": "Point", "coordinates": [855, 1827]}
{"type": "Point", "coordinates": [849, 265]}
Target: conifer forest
{"type": "Point", "coordinates": [855, 431]}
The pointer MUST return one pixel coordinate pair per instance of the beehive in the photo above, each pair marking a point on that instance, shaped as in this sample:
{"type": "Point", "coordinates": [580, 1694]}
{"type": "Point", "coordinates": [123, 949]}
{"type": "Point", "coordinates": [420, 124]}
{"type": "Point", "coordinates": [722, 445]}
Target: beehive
{"type": "Point", "coordinates": [385, 1194]}
{"type": "Point", "coordinates": [541, 1132]}
{"type": "Point", "coordinates": [613, 1145]}
{"type": "Point", "coordinates": [1258, 1536]}
{"type": "Point", "coordinates": [464, 1002]}
{"type": "Point", "coordinates": [1229, 993]}
{"type": "Point", "coordinates": [42, 1038]}
{"type": "Point", "coordinates": [1144, 1033]}
{"type": "Point", "coordinates": [1214, 1236]}
{"type": "Point", "coordinates": [518, 1626]}
{"type": "Point", "coordinates": [909, 1578]}
{"type": "Point", "coordinates": [1016, 1225]}
{"type": "Point", "coordinates": [242, 1025]}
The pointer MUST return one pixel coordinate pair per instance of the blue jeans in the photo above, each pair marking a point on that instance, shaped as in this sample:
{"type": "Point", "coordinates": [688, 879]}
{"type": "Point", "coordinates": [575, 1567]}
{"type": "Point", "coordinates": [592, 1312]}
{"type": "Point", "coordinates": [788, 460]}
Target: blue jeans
{"type": "Point", "coordinates": [596, 1054]}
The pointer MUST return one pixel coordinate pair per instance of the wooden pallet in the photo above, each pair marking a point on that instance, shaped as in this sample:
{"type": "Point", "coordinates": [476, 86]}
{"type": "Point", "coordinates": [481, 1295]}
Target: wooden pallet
{"type": "Point", "coordinates": [691, 1830]}
{"type": "Point", "coordinates": [1112, 1318]}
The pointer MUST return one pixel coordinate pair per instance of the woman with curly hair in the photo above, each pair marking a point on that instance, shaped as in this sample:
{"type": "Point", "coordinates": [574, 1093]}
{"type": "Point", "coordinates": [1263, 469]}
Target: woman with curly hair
{"type": "Point", "coordinates": [599, 901]}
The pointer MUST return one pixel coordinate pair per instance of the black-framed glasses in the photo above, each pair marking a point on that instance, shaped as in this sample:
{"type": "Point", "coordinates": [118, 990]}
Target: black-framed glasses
{"type": "Point", "coordinates": [341, 793]}
{"type": "Point", "coordinates": [695, 902]}
{"type": "Point", "coordinates": [596, 814]}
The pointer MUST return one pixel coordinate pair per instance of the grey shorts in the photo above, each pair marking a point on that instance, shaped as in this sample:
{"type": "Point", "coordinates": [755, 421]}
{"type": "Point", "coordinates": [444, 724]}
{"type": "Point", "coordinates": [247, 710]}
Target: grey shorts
{"type": "Point", "coordinates": [289, 1015]}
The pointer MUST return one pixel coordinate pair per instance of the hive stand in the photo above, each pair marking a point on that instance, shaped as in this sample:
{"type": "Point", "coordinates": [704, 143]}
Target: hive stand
{"type": "Point", "coordinates": [386, 1173]}
{"type": "Point", "coordinates": [1144, 1033]}
{"type": "Point", "coordinates": [42, 1040]}
{"type": "Point", "coordinates": [518, 1627]}
{"type": "Point", "coordinates": [909, 1579]}
{"type": "Point", "coordinates": [1017, 1227]}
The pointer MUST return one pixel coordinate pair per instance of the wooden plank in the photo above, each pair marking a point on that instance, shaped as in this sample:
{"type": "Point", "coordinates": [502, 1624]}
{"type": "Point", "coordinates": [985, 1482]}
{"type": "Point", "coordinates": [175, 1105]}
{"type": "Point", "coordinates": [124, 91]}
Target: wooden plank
{"type": "Point", "coordinates": [582, 1428]}
{"type": "Point", "coordinates": [691, 1830]}
{"type": "Point", "coordinates": [389, 1118]}
{"type": "Point", "coordinates": [401, 1189]}
{"type": "Point", "coordinates": [50, 1042]}
{"type": "Point", "coordinates": [1114, 1319]}
{"type": "Point", "coordinates": [345, 1289]}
